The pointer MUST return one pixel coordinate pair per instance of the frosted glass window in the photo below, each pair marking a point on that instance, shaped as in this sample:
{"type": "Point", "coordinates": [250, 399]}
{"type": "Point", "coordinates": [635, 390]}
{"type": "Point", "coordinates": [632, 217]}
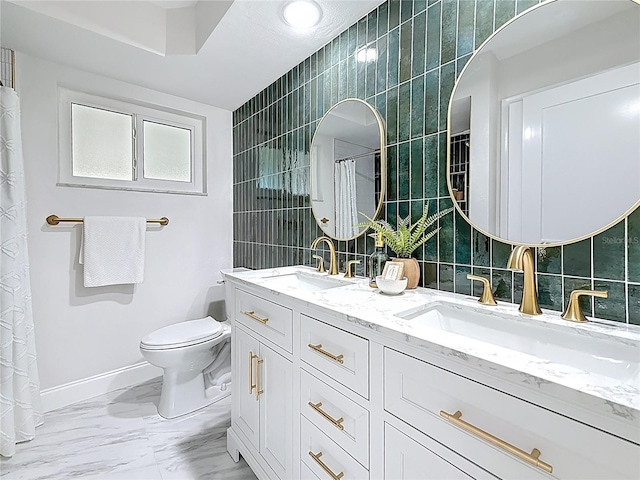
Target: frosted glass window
{"type": "Point", "coordinates": [167, 152]}
{"type": "Point", "coordinates": [102, 143]}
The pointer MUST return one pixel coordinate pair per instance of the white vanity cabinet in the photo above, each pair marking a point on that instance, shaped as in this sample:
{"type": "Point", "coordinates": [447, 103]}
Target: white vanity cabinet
{"type": "Point", "coordinates": [323, 396]}
{"type": "Point", "coordinates": [263, 386]}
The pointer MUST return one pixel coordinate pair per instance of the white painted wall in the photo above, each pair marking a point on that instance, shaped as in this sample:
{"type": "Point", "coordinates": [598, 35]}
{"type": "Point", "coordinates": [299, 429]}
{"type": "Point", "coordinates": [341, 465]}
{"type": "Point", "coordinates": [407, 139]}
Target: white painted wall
{"type": "Point", "coordinates": [83, 332]}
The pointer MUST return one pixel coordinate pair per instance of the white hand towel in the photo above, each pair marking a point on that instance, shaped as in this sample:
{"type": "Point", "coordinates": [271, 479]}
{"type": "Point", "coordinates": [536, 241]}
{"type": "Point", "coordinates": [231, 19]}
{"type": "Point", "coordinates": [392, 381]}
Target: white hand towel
{"type": "Point", "coordinates": [113, 250]}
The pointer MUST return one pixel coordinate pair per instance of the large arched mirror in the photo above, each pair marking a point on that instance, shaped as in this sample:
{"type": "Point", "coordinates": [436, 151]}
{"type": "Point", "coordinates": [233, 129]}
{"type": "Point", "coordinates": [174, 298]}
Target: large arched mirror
{"type": "Point", "coordinates": [544, 124]}
{"type": "Point", "coordinates": [348, 168]}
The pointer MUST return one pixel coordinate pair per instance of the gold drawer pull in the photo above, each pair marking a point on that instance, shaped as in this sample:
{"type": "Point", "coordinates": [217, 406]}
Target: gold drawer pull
{"type": "Point", "coordinates": [337, 423]}
{"type": "Point", "coordinates": [532, 458]}
{"type": "Point", "coordinates": [316, 457]}
{"type": "Point", "coordinates": [318, 348]}
{"type": "Point", "coordinates": [258, 318]}
{"type": "Point", "coordinates": [258, 390]}
{"type": "Point", "coordinates": [251, 384]}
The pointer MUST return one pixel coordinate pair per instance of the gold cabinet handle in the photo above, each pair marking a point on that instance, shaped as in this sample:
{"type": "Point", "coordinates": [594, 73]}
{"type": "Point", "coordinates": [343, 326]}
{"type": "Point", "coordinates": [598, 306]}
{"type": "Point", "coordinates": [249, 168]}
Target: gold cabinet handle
{"type": "Point", "coordinates": [252, 314]}
{"type": "Point", "coordinates": [318, 348]}
{"type": "Point", "coordinates": [532, 458]}
{"type": "Point", "coordinates": [316, 457]}
{"type": "Point", "coordinates": [487, 295]}
{"type": "Point", "coordinates": [258, 390]}
{"type": "Point", "coordinates": [251, 384]}
{"type": "Point", "coordinates": [337, 423]}
{"type": "Point", "coordinates": [573, 311]}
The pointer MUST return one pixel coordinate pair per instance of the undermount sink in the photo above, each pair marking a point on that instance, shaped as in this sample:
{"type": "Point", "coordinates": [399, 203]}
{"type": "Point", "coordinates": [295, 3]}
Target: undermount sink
{"type": "Point", "coordinates": [618, 359]}
{"type": "Point", "coordinates": [305, 281]}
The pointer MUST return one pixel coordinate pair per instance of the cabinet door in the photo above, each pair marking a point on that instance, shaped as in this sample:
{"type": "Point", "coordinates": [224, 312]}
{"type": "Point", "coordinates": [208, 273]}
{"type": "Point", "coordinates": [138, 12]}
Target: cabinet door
{"type": "Point", "coordinates": [276, 406]}
{"type": "Point", "coordinates": [406, 459]}
{"type": "Point", "coordinates": [246, 406]}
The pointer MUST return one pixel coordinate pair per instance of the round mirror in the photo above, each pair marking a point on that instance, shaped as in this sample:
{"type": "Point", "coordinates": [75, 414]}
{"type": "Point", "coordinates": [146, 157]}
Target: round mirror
{"type": "Point", "coordinates": [348, 168]}
{"type": "Point", "coordinates": [544, 124]}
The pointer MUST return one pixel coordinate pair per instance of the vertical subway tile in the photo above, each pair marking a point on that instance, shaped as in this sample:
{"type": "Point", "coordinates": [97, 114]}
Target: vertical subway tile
{"type": "Point", "coordinates": [406, 10]}
{"type": "Point", "coordinates": [634, 303]}
{"type": "Point", "coordinates": [393, 58]}
{"type": "Point", "coordinates": [417, 174]}
{"type": "Point", "coordinates": [429, 275]}
{"type": "Point", "coordinates": [446, 240]}
{"type": "Point", "coordinates": [576, 259]}
{"type": "Point", "coordinates": [505, 11]}
{"type": "Point", "coordinates": [403, 171]}
{"type": "Point", "coordinates": [394, 13]}
{"type": "Point", "coordinates": [448, 38]}
{"type": "Point", "coordinates": [372, 26]}
{"type": "Point", "coordinates": [405, 51]}
{"type": "Point", "coordinates": [362, 32]}
{"type": "Point", "coordinates": [481, 249]}
{"type": "Point", "coordinates": [447, 81]}
{"type": "Point", "coordinates": [431, 166]}
{"type": "Point", "coordinates": [578, 283]}
{"type": "Point", "coordinates": [433, 36]}
{"type": "Point", "coordinates": [431, 108]}
{"type": "Point", "coordinates": [392, 173]}
{"type": "Point", "coordinates": [549, 259]}
{"type": "Point", "coordinates": [463, 284]}
{"type": "Point", "coordinates": [500, 254]}
{"type": "Point", "coordinates": [404, 111]}
{"type": "Point", "coordinates": [381, 73]}
{"type": "Point", "coordinates": [383, 19]}
{"type": "Point", "coordinates": [609, 252]}
{"type": "Point", "coordinates": [463, 239]}
{"type": "Point", "coordinates": [466, 13]}
{"type": "Point", "coordinates": [419, 44]}
{"type": "Point", "coordinates": [445, 277]}
{"type": "Point", "coordinates": [417, 106]}
{"type": "Point", "coordinates": [484, 21]}
{"type": "Point", "coordinates": [351, 77]}
{"type": "Point", "coordinates": [501, 282]}
{"type": "Point", "coordinates": [353, 39]}
{"type": "Point", "coordinates": [371, 79]}
{"type": "Point", "coordinates": [392, 116]}
{"type": "Point", "coordinates": [523, 5]}
{"type": "Point", "coordinates": [633, 246]}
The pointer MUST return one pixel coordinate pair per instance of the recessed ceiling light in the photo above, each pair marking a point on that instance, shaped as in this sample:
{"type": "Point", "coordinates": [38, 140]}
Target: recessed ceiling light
{"type": "Point", "coordinates": [302, 14]}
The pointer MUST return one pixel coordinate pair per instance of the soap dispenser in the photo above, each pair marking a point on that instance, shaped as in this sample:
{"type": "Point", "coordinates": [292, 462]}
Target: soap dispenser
{"type": "Point", "coordinates": [377, 259]}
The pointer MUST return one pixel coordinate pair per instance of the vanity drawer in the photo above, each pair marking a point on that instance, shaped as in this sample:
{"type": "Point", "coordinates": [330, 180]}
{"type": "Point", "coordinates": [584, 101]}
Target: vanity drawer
{"type": "Point", "coordinates": [341, 355]}
{"type": "Point", "coordinates": [266, 318]}
{"type": "Point", "coordinates": [327, 456]}
{"type": "Point", "coordinates": [417, 392]}
{"type": "Point", "coordinates": [306, 473]}
{"type": "Point", "coordinates": [341, 419]}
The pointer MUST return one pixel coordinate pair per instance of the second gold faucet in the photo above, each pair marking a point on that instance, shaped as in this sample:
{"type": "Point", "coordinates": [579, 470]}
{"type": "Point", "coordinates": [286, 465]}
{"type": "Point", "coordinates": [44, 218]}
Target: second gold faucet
{"type": "Point", "coordinates": [333, 266]}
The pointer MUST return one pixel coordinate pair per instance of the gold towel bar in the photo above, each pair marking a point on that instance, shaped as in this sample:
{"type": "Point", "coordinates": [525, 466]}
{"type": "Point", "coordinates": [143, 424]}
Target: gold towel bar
{"type": "Point", "coordinates": [55, 220]}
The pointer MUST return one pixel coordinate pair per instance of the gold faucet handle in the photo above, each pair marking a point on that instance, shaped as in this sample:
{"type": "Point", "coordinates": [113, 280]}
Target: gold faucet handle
{"type": "Point", "coordinates": [320, 263]}
{"type": "Point", "coordinates": [349, 273]}
{"type": "Point", "coordinates": [487, 295]}
{"type": "Point", "coordinates": [573, 311]}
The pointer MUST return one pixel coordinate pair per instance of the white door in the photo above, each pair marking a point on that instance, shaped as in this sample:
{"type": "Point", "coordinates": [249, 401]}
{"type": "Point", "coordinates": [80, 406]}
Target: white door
{"type": "Point", "coordinates": [246, 411]}
{"type": "Point", "coordinates": [276, 407]}
{"type": "Point", "coordinates": [406, 459]}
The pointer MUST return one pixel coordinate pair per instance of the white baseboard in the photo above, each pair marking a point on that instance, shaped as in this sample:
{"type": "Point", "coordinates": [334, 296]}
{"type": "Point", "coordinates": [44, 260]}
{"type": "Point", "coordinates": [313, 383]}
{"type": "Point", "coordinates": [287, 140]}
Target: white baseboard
{"type": "Point", "coordinates": [74, 392]}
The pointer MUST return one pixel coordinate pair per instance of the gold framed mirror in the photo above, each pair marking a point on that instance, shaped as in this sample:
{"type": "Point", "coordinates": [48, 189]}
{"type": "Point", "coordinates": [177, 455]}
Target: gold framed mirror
{"type": "Point", "coordinates": [348, 171]}
{"type": "Point", "coordinates": [543, 137]}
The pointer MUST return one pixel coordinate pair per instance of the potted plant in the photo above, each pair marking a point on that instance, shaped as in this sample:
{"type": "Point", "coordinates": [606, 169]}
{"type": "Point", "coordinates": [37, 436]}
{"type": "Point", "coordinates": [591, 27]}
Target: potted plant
{"type": "Point", "coordinates": [404, 240]}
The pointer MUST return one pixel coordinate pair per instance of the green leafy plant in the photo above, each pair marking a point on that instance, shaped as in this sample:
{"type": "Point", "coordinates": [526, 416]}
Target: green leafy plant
{"type": "Point", "coordinates": [406, 238]}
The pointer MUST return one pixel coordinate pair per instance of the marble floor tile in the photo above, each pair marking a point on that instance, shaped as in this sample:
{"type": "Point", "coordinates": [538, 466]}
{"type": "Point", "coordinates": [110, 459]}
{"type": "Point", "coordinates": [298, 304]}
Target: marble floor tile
{"type": "Point", "coordinates": [120, 436]}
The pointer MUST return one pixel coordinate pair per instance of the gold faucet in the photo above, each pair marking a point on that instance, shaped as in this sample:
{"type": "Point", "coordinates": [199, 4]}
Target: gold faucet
{"type": "Point", "coordinates": [333, 266]}
{"type": "Point", "coordinates": [521, 259]}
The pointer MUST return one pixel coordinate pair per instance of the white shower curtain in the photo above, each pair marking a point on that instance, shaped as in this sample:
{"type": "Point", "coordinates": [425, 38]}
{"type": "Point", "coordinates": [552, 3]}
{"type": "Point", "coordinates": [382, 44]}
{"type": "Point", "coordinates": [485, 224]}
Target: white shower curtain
{"type": "Point", "coordinates": [20, 406]}
{"type": "Point", "coordinates": [346, 207]}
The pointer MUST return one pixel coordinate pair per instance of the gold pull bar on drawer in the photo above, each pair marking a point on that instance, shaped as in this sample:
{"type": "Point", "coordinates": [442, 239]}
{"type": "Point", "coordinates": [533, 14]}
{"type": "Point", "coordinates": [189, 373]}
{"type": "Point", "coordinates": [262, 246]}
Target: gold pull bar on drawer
{"type": "Point", "coordinates": [316, 457]}
{"type": "Point", "coordinates": [337, 423]}
{"type": "Point", "coordinates": [318, 348]}
{"type": "Point", "coordinates": [251, 384]}
{"type": "Point", "coordinates": [532, 458]}
{"type": "Point", "coordinates": [252, 314]}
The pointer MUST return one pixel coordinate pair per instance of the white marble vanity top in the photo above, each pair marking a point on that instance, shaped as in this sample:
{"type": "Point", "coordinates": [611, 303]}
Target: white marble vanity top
{"type": "Point", "coordinates": [615, 394]}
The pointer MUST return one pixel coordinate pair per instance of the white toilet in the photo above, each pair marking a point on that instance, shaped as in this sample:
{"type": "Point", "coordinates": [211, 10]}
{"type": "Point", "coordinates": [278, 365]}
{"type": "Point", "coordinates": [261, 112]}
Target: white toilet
{"type": "Point", "coordinates": [196, 358]}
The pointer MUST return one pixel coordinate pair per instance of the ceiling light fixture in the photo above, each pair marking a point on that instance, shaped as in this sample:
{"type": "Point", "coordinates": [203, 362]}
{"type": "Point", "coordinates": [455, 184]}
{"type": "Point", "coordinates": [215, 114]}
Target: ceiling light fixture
{"type": "Point", "coordinates": [302, 14]}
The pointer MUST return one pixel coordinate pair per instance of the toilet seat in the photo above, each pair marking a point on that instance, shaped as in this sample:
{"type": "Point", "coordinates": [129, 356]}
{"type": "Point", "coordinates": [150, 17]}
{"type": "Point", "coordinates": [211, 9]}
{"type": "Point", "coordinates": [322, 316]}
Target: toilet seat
{"type": "Point", "coordinates": [182, 334]}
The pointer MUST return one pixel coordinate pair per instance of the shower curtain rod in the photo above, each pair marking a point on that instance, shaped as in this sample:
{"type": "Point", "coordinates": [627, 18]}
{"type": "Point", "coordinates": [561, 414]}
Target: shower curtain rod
{"type": "Point", "coordinates": [355, 157]}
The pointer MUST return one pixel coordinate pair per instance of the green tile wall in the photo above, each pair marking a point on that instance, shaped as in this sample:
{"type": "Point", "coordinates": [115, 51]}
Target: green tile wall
{"type": "Point", "coordinates": [421, 48]}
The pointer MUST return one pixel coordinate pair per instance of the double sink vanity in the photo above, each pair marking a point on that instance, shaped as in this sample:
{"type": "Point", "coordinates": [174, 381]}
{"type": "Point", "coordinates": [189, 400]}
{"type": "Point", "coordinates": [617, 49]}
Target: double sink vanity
{"type": "Point", "coordinates": [335, 380]}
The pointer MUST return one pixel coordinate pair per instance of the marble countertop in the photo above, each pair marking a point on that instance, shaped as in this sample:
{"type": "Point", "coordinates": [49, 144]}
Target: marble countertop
{"type": "Point", "coordinates": [608, 347]}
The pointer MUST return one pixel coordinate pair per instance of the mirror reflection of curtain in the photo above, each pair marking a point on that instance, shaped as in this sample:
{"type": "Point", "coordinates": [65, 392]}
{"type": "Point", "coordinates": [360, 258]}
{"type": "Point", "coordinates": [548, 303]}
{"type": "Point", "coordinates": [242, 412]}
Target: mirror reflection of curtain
{"type": "Point", "coordinates": [346, 206]}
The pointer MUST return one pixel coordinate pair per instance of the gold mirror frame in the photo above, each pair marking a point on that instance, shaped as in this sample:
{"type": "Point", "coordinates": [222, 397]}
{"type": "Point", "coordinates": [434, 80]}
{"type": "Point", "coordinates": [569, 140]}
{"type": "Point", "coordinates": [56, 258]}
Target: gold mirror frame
{"type": "Point", "coordinates": [383, 164]}
{"type": "Point", "coordinates": [449, 186]}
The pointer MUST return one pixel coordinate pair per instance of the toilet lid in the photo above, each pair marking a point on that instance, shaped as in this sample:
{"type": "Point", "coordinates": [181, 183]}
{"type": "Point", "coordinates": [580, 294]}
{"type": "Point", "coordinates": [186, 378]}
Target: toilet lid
{"type": "Point", "coordinates": [184, 333]}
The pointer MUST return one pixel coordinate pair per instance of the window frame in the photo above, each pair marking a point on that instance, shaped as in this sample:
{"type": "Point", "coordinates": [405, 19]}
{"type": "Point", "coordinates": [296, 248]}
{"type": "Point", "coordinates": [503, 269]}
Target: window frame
{"type": "Point", "coordinates": [140, 113]}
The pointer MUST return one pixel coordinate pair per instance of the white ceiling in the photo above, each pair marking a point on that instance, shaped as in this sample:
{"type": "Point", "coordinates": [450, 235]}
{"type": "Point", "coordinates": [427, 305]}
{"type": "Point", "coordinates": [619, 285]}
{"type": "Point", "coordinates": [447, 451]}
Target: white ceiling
{"type": "Point", "coordinates": [248, 49]}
